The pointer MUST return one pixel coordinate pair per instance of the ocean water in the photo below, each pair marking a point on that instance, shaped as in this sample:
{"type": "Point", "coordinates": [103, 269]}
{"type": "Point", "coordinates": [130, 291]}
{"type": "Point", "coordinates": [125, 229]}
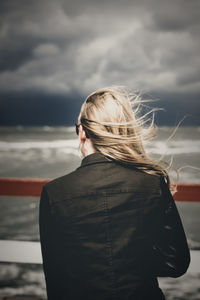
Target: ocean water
{"type": "Point", "coordinates": [49, 152]}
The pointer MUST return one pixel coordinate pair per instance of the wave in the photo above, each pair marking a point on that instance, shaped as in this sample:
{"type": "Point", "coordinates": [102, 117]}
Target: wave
{"type": "Point", "coordinates": [26, 145]}
{"type": "Point", "coordinates": [156, 147]}
{"type": "Point", "coordinates": [173, 147]}
{"type": "Point", "coordinates": [37, 128]}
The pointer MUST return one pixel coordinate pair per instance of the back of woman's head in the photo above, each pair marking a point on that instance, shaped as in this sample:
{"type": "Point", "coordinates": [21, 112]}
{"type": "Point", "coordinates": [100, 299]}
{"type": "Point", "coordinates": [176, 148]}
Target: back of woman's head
{"type": "Point", "coordinates": [112, 120]}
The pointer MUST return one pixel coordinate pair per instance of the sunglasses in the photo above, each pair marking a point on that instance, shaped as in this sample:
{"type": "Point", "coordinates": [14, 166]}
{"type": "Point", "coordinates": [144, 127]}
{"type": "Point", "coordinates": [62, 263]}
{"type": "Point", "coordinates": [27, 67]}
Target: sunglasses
{"type": "Point", "coordinates": [77, 128]}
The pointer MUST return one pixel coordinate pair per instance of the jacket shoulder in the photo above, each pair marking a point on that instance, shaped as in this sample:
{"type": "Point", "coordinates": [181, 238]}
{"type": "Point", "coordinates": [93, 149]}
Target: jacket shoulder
{"type": "Point", "coordinates": [61, 188]}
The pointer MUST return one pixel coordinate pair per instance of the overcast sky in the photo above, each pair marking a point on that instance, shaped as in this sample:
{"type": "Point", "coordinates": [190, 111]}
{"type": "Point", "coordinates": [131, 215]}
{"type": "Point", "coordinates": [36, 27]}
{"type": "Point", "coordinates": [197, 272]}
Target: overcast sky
{"type": "Point", "coordinates": [53, 53]}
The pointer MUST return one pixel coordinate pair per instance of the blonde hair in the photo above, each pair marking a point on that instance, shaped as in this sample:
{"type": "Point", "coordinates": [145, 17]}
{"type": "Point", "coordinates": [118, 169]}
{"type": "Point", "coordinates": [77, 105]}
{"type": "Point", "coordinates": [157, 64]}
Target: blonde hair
{"type": "Point", "coordinates": [111, 118]}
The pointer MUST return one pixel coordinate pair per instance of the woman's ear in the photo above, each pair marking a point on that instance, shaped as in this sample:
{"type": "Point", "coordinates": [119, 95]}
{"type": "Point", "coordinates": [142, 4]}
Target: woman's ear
{"type": "Point", "coordinates": [82, 133]}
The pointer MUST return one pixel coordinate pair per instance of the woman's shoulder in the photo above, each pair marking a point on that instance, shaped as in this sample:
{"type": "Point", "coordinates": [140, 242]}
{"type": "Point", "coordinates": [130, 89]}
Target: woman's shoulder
{"type": "Point", "coordinates": [61, 186]}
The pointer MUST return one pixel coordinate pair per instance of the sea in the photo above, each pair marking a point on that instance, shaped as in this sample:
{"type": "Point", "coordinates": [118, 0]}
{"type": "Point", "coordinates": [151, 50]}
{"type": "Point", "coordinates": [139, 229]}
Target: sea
{"type": "Point", "coordinates": [50, 152]}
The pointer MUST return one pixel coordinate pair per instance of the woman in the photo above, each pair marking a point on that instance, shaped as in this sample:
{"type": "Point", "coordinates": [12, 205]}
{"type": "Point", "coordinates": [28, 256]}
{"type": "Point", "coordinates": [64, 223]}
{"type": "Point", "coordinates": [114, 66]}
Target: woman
{"type": "Point", "coordinates": [111, 227]}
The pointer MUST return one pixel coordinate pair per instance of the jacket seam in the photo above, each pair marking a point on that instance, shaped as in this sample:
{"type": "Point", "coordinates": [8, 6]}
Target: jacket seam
{"type": "Point", "coordinates": [102, 193]}
{"type": "Point", "coordinates": [108, 245]}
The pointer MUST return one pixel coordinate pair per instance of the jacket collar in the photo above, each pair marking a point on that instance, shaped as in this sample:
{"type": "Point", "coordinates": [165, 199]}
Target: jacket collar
{"type": "Point", "coordinates": [93, 158]}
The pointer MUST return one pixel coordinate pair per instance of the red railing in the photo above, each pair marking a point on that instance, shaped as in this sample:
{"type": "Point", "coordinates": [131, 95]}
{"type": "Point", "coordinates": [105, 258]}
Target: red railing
{"type": "Point", "coordinates": [31, 187]}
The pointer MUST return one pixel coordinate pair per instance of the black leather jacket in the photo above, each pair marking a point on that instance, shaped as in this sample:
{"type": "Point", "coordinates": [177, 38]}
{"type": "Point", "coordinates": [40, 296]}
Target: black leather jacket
{"type": "Point", "coordinates": [108, 231]}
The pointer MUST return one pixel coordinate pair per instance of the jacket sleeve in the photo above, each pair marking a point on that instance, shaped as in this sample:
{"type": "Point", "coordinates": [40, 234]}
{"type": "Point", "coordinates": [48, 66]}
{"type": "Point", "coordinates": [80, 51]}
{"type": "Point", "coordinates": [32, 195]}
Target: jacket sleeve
{"type": "Point", "coordinates": [49, 239]}
{"type": "Point", "coordinates": [170, 256]}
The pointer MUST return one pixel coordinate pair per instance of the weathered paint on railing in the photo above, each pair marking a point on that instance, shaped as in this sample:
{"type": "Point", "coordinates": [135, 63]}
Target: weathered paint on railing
{"type": "Point", "coordinates": [31, 187]}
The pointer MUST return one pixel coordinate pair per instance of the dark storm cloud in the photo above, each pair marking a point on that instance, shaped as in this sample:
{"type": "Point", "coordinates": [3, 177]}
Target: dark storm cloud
{"type": "Point", "coordinates": [65, 46]}
{"type": "Point", "coordinates": [177, 16]}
